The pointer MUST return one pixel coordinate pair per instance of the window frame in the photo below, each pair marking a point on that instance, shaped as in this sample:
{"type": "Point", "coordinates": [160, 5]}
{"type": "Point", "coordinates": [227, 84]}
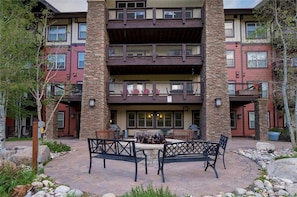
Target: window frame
{"type": "Point", "coordinates": [61, 113]}
{"type": "Point", "coordinates": [254, 34]}
{"type": "Point", "coordinates": [56, 33]}
{"type": "Point", "coordinates": [233, 58]}
{"type": "Point", "coordinates": [233, 85]}
{"type": "Point", "coordinates": [231, 30]}
{"type": "Point", "coordinates": [177, 13]}
{"type": "Point", "coordinates": [257, 61]}
{"type": "Point", "coordinates": [56, 57]}
{"type": "Point", "coordinates": [233, 119]}
{"type": "Point", "coordinates": [82, 31]}
{"type": "Point", "coordinates": [79, 60]}
{"type": "Point", "coordinates": [252, 120]}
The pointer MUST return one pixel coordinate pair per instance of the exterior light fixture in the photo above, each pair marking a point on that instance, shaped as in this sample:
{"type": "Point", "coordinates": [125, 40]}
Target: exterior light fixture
{"type": "Point", "coordinates": [239, 116]}
{"type": "Point", "coordinates": [218, 102]}
{"type": "Point", "coordinates": [92, 102]}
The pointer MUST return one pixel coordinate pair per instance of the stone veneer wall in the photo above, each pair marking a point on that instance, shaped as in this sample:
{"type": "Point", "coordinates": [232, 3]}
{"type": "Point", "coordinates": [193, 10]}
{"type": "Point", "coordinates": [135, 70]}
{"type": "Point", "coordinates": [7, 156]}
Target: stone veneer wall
{"type": "Point", "coordinates": [261, 120]}
{"type": "Point", "coordinates": [214, 120]}
{"type": "Point", "coordinates": [95, 71]}
{"type": "Point", "coordinates": [52, 124]}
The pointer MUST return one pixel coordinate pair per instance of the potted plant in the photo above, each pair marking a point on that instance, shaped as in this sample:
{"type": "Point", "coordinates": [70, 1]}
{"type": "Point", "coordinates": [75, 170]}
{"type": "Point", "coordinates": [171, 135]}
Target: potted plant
{"type": "Point", "coordinates": [273, 134]}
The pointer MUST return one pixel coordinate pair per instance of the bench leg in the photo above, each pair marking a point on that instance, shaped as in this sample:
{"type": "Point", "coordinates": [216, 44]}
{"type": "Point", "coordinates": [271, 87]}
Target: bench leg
{"type": "Point", "coordinates": [90, 165]}
{"type": "Point", "coordinates": [224, 160]}
{"type": "Point", "coordinates": [135, 179]}
{"type": "Point", "coordinates": [213, 166]}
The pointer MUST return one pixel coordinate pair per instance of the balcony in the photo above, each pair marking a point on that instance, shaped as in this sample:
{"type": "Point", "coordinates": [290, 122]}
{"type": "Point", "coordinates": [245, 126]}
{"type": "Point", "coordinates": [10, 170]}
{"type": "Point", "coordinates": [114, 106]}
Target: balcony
{"type": "Point", "coordinates": [174, 92]}
{"type": "Point", "coordinates": [143, 92]}
{"type": "Point", "coordinates": [72, 95]}
{"type": "Point", "coordinates": [158, 25]}
{"type": "Point", "coordinates": [159, 58]}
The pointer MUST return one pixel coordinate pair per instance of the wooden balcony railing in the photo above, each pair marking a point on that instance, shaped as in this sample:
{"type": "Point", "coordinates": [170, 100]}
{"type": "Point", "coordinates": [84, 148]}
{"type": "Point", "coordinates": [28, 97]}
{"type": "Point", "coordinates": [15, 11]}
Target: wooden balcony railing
{"type": "Point", "coordinates": [153, 14]}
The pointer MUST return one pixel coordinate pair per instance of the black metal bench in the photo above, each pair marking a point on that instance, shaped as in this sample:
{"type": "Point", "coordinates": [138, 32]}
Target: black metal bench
{"type": "Point", "coordinates": [115, 149]}
{"type": "Point", "coordinates": [189, 152]}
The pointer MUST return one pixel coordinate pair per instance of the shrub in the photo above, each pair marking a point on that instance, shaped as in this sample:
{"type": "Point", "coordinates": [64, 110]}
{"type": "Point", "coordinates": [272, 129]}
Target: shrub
{"type": "Point", "coordinates": [56, 147]}
{"type": "Point", "coordinates": [11, 177]}
{"type": "Point", "coordinates": [150, 191]}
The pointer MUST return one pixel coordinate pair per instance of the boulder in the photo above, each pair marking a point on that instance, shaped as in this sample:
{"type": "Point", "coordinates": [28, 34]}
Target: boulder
{"type": "Point", "coordinates": [24, 156]}
{"type": "Point", "coordinates": [283, 168]}
{"type": "Point", "coordinates": [265, 146]}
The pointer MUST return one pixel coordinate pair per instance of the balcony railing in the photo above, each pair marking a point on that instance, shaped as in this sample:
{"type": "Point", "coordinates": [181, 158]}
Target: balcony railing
{"type": "Point", "coordinates": [179, 53]}
{"type": "Point", "coordinates": [124, 14]}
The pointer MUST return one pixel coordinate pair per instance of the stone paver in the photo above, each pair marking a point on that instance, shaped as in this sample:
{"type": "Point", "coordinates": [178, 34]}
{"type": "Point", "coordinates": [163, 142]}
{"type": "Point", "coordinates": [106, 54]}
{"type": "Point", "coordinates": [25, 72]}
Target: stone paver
{"type": "Point", "coordinates": [181, 178]}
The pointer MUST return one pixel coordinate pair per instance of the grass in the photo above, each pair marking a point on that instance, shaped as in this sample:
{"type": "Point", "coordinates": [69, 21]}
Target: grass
{"type": "Point", "coordinates": [150, 191]}
{"type": "Point", "coordinates": [11, 177]}
{"type": "Point", "coordinates": [56, 147]}
{"type": "Point", "coordinates": [16, 139]}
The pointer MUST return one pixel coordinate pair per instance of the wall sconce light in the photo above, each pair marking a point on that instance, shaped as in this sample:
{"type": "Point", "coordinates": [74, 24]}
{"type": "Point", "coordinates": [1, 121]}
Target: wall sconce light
{"type": "Point", "coordinates": [92, 102]}
{"type": "Point", "coordinates": [218, 102]}
{"type": "Point", "coordinates": [239, 116]}
{"type": "Point", "coordinates": [72, 116]}
{"type": "Point", "coordinates": [186, 108]}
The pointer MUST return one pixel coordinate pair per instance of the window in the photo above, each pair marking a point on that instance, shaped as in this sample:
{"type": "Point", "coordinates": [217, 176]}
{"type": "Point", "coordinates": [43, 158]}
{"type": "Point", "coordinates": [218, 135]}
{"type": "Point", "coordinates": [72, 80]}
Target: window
{"type": "Point", "coordinates": [81, 60]}
{"type": "Point", "coordinates": [263, 88]}
{"type": "Point", "coordinates": [59, 89]}
{"type": "Point", "coordinates": [150, 119]}
{"type": "Point", "coordinates": [113, 117]}
{"type": "Point", "coordinates": [178, 120]}
{"type": "Point", "coordinates": [257, 59]}
{"type": "Point", "coordinates": [233, 119]}
{"type": "Point", "coordinates": [56, 61]}
{"type": "Point", "coordinates": [255, 30]}
{"type": "Point", "coordinates": [61, 116]}
{"type": "Point", "coordinates": [57, 33]}
{"type": "Point", "coordinates": [178, 86]}
{"type": "Point", "coordinates": [164, 119]}
{"type": "Point", "coordinates": [252, 120]}
{"type": "Point", "coordinates": [177, 14]}
{"type": "Point", "coordinates": [231, 88]}
{"type": "Point", "coordinates": [82, 31]}
{"type": "Point", "coordinates": [178, 52]}
{"type": "Point", "coordinates": [131, 119]}
{"type": "Point", "coordinates": [230, 58]}
{"type": "Point", "coordinates": [144, 120]}
{"type": "Point", "coordinates": [196, 117]}
{"type": "Point", "coordinates": [229, 29]}
{"type": "Point", "coordinates": [131, 13]}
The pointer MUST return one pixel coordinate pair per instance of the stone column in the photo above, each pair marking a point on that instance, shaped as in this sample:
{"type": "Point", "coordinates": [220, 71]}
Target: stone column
{"type": "Point", "coordinates": [261, 120]}
{"type": "Point", "coordinates": [214, 120]}
{"type": "Point", "coordinates": [95, 71]}
{"type": "Point", "coordinates": [52, 123]}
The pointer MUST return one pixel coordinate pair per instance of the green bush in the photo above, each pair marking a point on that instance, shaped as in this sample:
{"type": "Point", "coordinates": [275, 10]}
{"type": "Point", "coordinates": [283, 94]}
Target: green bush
{"type": "Point", "coordinates": [150, 191]}
{"type": "Point", "coordinates": [56, 147]}
{"type": "Point", "coordinates": [11, 177]}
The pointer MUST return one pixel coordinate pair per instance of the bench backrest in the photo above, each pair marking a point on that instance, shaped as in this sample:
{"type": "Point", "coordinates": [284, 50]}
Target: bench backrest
{"type": "Point", "coordinates": [190, 147]}
{"type": "Point", "coordinates": [112, 147]}
{"type": "Point", "coordinates": [223, 141]}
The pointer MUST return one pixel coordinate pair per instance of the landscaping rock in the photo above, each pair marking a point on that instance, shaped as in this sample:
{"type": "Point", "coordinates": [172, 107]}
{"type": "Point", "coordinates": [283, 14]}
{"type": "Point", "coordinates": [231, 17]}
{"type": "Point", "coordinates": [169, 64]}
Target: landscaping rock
{"type": "Point", "coordinates": [24, 155]}
{"type": "Point", "coordinates": [283, 168]}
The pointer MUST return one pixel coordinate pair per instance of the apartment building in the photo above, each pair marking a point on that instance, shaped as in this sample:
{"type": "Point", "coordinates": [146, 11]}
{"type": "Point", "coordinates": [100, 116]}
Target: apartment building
{"type": "Point", "coordinates": [158, 65]}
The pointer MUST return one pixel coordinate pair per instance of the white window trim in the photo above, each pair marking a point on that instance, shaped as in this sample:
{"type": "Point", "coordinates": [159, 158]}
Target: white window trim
{"type": "Point", "coordinates": [54, 65]}
{"type": "Point", "coordinates": [57, 34]}
{"type": "Point", "coordinates": [255, 56]}
{"type": "Point", "coordinates": [62, 119]}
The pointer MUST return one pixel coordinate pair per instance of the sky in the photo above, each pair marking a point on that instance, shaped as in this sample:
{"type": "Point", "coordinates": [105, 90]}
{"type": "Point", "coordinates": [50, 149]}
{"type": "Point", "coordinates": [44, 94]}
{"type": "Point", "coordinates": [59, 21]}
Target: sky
{"type": "Point", "coordinates": [240, 3]}
{"type": "Point", "coordinates": [81, 5]}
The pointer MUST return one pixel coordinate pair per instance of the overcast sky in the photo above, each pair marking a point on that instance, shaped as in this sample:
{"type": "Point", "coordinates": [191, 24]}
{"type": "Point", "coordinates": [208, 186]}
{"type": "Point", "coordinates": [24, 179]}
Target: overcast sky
{"type": "Point", "coordinates": [81, 5]}
{"type": "Point", "coordinates": [241, 3]}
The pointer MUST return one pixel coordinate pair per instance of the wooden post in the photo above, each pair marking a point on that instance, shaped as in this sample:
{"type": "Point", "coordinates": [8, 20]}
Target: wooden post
{"type": "Point", "coordinates": [35, 146]}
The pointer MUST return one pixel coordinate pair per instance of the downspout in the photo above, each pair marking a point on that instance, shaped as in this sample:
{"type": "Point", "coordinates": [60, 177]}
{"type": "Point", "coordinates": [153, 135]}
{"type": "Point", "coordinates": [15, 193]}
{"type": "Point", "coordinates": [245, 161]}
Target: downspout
{"type": "Point", "coordinates": [70, 70]}
{"type": "Point", "coordinates": [242, 74]}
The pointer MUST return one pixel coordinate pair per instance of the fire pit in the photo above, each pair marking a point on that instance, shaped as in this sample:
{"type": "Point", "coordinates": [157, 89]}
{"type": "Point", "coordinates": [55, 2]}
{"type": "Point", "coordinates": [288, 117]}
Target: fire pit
{"type": "Point", "coordinates": [150, 139]}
